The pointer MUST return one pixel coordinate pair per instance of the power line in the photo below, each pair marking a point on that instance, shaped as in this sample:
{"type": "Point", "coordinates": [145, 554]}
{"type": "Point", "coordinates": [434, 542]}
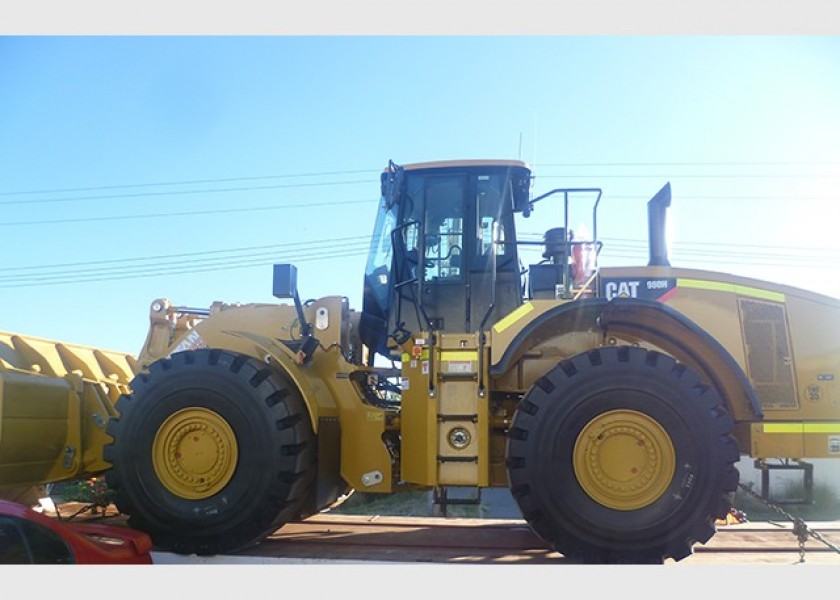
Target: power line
{"type": "Point", "coordinates": [688, 164]}
{"type": "Point", "coordinates": [708, 197]}
{"type": "Point", "coordinates": [367, 171]}
{"type": "Point", "coordinates": [315, 204]}
{"type": "Point", "coordinates": [721, 245]}
{"type": "Point", "coordinates": [180, 214]}
{"type": "Point", "coordinates": [183, 182]}
{"type": "Point", "coordinates": [233, 265]}
{"type": "Point", "coordinates": [699, 248]}
{"type": "Point", "coordinates": [182, 254]}
{"type": "Point", "coordinates": [792, 256]}
{"type": "Point", "coordinates": [695, 176]}
{"type": "Point", "coordinates": [329, 248]}
{"type": "Point", "coordinates": [243, 264]}
{"type": "Point", "coordinates": [181, 192]}
{"type": "Point", "coordinates": [676, 262]}
{"type": "Point", "coordinates": [637, 249]}
{"type": "Point", "coordinates": [371, 171]}
{"type": "Point", "coordinates": [351, 248]}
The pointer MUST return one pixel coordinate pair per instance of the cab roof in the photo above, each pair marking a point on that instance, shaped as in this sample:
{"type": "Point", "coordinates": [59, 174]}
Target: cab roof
{"type": "Point", "coordinates": [442, 164]}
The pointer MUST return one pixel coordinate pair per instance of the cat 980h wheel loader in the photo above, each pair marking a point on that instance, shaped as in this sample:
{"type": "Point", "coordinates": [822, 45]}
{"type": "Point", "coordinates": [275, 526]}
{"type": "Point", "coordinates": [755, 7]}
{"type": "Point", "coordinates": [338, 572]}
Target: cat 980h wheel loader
{"type": "Point", "coordinates": [615, 403]}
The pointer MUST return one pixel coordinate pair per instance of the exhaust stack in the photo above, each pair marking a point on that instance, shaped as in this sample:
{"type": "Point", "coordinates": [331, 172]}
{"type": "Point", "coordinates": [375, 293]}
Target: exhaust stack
{"type": "Point", "coordinates": [657, 214]}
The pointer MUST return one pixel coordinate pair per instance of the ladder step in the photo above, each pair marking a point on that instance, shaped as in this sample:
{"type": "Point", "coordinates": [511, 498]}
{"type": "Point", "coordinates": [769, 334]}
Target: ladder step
{"type": "Point", "coordinates": [442, 497]}
{"type": "Point", "coordinates": [457, 376]}
{"type": "Point", "coordinates": [463, 501]}
{"type": "Point", "coordinates": [457, 459]}
{"type": "Point", "coordinates": [443, 418]}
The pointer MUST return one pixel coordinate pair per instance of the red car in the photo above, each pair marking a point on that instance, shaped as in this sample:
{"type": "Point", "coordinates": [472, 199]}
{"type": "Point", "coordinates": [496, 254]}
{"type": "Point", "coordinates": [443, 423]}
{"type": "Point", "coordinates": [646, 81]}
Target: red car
{"type": "Point", "coordinates": [29, 537]}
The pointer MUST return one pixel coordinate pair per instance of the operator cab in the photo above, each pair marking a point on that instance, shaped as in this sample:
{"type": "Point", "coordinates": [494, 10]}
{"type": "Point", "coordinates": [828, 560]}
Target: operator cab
{"type": "Point", "coordinates": [444, 253]}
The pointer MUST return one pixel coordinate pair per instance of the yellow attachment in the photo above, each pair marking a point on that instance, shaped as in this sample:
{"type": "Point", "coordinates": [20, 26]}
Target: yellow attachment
{"type": "Point", "coordinates": [57, 359]}
{"type": "Point", "coordinates": [194, 453]}
{"type": "Point", "coordinates": [624, 459]}
{"type": "Point", "coordinates": [55, 403]}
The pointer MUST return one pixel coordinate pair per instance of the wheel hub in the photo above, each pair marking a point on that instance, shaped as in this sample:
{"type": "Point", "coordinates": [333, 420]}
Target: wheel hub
{"type": "Point", "coordinates": [194, 453]}
{"type": "Point", "coordinates": [624, 459]}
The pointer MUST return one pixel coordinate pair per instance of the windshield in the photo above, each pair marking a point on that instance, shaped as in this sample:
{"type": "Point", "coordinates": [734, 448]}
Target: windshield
{"type": "Point", "coordinates": [379, 259]}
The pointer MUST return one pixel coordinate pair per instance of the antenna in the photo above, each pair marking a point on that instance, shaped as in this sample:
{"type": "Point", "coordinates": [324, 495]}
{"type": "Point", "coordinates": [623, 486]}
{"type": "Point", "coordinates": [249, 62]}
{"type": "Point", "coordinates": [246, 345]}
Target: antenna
{"type": "Point", "coordinates": [520, 145]}
{"type": "Point", "coordinates": [534, 141]}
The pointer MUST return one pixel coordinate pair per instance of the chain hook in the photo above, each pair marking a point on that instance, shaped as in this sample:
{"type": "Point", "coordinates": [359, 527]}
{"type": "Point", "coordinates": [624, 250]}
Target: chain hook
{"type": "Point", "coordinates": [800, 528]}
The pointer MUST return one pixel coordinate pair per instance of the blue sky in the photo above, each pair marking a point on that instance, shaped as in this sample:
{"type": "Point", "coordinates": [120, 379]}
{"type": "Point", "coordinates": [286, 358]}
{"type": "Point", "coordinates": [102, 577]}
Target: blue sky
{"type": "Point", "coordinates": [133, 168]}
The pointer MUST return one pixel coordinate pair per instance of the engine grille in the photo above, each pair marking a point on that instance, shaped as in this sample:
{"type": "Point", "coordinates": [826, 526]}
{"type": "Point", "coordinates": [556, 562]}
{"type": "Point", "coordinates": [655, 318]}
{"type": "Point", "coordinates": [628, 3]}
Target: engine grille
{"type": "Point", "coordinates": [769, 357]}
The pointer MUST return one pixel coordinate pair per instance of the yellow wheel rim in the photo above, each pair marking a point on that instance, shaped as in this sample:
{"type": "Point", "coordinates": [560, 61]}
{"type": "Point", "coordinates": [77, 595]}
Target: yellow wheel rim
{"type": "Point", "coordinates": [624, 459]}
{"type": "Point", "coordinates": [194, 453]}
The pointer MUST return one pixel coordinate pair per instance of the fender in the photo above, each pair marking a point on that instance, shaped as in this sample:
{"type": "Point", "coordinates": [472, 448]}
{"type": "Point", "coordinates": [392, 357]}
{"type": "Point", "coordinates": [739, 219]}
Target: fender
{"type": "Point", "coordinates": [285, 360]}
{"type": "Point", "coordinates": [646, 320]}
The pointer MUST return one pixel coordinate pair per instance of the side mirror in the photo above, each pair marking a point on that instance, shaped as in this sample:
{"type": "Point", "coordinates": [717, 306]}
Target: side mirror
{"type": "Point", "coordinates": [521, 195]}
{"type": "Point", "coordinates": [285, 281]}
{"type": "Point", "coordinates": [285, 286]}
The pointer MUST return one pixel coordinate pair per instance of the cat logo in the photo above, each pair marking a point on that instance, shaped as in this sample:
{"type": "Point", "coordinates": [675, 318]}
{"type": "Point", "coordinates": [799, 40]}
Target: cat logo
{"type": "Point", "coordinates": [659, 289]}
{"type": "Point", "coordinates": [621, 289]}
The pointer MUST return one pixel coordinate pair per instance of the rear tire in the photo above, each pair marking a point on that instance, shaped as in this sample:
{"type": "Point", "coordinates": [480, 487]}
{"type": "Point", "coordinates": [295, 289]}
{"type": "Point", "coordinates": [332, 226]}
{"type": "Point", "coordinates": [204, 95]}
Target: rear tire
{"type": "Point", "coordinates": [622, 455]}
{"type": "Point", "coordinates": [212, 451]}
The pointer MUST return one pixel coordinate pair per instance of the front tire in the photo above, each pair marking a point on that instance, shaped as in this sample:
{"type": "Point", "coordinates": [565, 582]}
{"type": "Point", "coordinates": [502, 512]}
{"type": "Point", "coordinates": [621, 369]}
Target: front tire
{"type": "Point", "coordinates": [622, 455]}
{"type": "Point", "coordinates": [27, 495]}
{"type": "Point", "coordinates": [212, 451]}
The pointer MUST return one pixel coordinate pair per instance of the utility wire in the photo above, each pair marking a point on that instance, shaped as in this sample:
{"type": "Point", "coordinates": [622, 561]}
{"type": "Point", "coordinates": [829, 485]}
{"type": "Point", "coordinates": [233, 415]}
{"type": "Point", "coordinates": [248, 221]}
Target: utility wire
{"type": "Point", "coordinates": [370, 171]}
{"type": "Point", "coordinates": [670, 176]}
{"type": "Point", "coordinates": [721, 246]}
{"type": "Point", "coordinates": [363, 242]}
{"type": "Point", "coordinates": [352, 172]}
{"type": "Point", "coordinates": [708, 249]}
{"type": "Point", "coordinates": [354, 249]}
{"type": "Point", "coordinates": [184, 254]}
{"type": "Point", "coordinates": [182, 192]}
{"type": "Point", "coordinates": [334, 203]}
{"type": "Point", "coordinates": [708, 197]}
{"type": "Point", "coordinates": [688, 164]}
{"type": "Point", "coordinates": [183, 271]}
{"type": "Point", "coordinates": [219, 260]}
{"type": "Point", "coordinates": [306, 258]}
{"type": "Point", "coordinates": [183, 182]}
{"type": "Point", "coordinates": [728, 245]}
{"type": "Point", "coordinates": [193, 213]}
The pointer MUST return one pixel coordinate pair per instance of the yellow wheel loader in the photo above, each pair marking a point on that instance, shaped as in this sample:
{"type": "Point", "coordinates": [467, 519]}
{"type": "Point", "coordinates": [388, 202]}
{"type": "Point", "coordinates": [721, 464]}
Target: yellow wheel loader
{"type": "Point", "coordinates": [614, 403]}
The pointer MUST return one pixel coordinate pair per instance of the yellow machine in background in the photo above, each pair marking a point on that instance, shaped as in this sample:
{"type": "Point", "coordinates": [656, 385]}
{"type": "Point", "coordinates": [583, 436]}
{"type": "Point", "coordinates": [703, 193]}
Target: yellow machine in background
{"type": "Point", "coordinates": [614, 403]}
